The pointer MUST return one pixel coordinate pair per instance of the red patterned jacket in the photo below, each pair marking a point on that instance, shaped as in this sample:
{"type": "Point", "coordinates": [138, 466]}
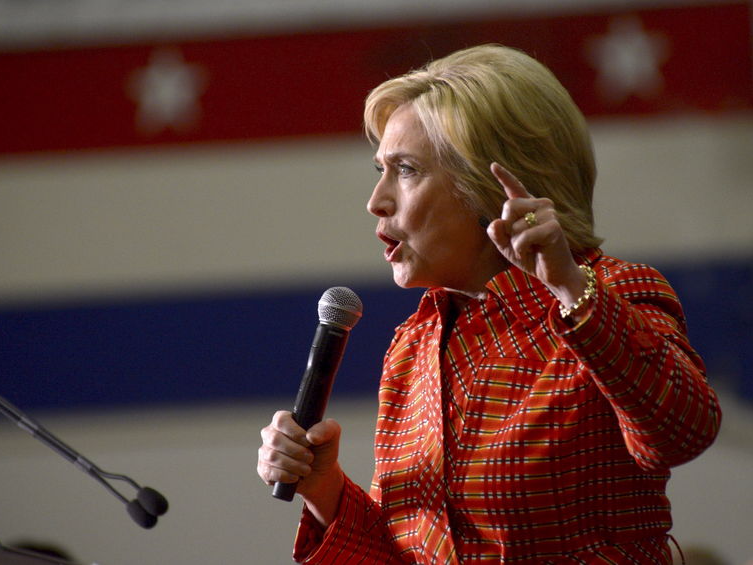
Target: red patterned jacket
{"type": "Point", "coordinates": [526, 440]}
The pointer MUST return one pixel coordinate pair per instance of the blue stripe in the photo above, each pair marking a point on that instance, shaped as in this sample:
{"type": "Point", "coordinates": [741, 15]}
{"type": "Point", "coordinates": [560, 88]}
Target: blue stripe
{"type": "Point", "coordinates": [188, 350]}
{"type": "Point", "coordinates": [249, 346]}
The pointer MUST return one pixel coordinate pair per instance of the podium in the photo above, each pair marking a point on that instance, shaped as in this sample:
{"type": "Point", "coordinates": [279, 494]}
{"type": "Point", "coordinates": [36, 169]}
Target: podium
{"type": "Point", "coordinates": [10, 556]}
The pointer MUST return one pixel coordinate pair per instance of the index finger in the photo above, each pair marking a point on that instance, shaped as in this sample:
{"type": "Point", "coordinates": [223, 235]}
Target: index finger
{"type": "Point", "coordinates": [513, 187]}
{"type": "Point", "coordinates": [283, 422]}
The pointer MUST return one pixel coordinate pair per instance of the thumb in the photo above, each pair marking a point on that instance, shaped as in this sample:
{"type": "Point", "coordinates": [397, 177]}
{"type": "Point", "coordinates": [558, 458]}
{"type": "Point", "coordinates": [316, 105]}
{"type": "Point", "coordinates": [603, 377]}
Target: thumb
{"type": "Point", "coordinates": [497, 233]}
{"type": "Point", "coordinates": [323, 432]}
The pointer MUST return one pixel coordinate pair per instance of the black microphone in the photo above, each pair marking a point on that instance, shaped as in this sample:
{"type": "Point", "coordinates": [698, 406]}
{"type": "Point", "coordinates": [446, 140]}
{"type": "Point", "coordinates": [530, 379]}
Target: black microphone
{"type": "Point", "coordinates": [339, 310]}
{"type": "Point", "coordinates": [144, 509]}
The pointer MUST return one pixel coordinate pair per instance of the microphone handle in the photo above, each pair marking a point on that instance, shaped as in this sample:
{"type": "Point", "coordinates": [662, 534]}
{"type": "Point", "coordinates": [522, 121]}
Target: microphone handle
{"type": "Point", "coordinates": [316, 385]}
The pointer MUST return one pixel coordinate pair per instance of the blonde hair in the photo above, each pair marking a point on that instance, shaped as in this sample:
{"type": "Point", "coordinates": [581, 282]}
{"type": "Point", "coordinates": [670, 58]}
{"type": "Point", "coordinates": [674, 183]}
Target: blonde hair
{"type": "Point", "coordinates": [494, 103]}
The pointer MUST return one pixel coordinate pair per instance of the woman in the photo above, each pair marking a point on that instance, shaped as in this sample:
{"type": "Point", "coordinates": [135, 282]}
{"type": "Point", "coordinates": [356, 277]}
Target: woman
{"type": "Point", "coordinates": [532, 406]}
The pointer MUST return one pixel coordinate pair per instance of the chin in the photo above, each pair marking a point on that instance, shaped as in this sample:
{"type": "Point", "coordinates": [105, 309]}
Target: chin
{"type": "Point", "coordinates": [401, 283]}
{"type": "Point", "coordinates": [403, 279]}
{"type": "Point", "coordinates": [409, 280]}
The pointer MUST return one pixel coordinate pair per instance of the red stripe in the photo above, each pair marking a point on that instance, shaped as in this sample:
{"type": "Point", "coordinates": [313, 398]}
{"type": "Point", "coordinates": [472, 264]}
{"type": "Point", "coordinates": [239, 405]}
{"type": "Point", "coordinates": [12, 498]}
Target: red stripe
{"type": "Point", "coordinates": [309, 84]}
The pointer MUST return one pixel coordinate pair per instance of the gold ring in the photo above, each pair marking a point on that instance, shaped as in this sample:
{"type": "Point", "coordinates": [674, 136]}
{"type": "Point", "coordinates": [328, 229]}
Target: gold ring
{"type": "Point", "coordinates": [530, 219]}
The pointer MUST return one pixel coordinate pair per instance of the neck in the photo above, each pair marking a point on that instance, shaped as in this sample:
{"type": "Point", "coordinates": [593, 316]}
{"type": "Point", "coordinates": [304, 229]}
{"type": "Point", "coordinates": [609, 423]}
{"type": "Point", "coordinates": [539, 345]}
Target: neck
{"type": "Point", "coordinates": [478, 291]}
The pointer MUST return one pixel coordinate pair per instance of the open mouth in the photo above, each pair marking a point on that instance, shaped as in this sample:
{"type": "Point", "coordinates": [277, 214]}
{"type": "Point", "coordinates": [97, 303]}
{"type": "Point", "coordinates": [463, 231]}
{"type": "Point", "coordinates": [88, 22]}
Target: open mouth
{"type": "Point", "coordinates": [392, 246]}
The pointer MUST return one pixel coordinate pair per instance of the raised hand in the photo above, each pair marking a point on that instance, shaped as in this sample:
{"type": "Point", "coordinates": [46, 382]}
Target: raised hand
{"type": "Point", "coordinates": [528, 234]}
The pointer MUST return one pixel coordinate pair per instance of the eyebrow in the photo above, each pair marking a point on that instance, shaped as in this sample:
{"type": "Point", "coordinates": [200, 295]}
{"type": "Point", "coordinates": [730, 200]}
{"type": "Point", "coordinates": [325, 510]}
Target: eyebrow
{"type": "Point", "coordinates": [397, 156]}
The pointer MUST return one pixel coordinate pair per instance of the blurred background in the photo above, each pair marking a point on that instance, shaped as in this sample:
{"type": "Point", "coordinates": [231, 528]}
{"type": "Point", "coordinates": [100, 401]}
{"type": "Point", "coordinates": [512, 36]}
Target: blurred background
{"type": "Point", "coordinates": [180, 181]}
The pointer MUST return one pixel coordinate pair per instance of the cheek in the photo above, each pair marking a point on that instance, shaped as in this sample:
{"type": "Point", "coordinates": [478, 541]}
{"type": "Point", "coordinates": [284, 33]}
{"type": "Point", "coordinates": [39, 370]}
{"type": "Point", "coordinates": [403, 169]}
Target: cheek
{"type": "Point", "coordinates": [417, 218]}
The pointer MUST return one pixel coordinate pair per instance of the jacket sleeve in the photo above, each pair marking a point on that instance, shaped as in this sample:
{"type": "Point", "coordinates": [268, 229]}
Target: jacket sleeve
{"type": "Point", "coordinates": [635, 347]}
{"type": "Point", "coordinates": [356, 535]}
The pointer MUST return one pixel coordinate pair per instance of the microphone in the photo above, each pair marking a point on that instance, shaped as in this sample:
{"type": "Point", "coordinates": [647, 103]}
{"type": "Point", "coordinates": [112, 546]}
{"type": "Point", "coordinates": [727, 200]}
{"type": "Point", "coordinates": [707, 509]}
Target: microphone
{"type": "Point", "coordinates": [144, 509]}
{"type": "Point", "coordinates": [339, 310]}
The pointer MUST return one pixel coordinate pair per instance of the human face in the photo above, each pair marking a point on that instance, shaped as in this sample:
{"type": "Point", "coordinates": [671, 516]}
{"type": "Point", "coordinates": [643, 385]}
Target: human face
{"type": "Point", "coordinates": [432, 237]}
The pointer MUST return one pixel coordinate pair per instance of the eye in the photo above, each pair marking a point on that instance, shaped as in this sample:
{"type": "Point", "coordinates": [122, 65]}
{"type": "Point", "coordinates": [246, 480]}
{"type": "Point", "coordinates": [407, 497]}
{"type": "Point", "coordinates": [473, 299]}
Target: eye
{"type": "Point", "coordinates": [405, 170]}
{"type": "Point", "coordinates": [379, 168]}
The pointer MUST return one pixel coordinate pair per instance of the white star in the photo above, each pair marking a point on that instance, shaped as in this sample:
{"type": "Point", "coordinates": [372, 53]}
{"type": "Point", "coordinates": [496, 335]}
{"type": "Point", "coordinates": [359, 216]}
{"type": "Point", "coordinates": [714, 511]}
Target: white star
{"type": "Point", "coordinates": [628, 59]}
{"type": "Point", "coordinates": [167, 92]}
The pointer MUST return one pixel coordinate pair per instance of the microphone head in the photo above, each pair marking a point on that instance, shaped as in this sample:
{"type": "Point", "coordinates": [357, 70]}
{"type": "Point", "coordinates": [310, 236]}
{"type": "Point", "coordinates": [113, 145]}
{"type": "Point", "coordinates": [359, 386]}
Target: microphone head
{"type": "Point", "coordinates": [152, 501]}
{"type": "Point", "coordinates": [339, 306]}
{"type": "Point", "coordinates": [141, 516]}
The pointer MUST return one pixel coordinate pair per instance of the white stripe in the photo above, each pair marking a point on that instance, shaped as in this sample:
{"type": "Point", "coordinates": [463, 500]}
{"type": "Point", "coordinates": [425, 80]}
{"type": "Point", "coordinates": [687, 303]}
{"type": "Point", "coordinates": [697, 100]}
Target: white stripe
{"type": "Point", "coordinates": [259, 215]}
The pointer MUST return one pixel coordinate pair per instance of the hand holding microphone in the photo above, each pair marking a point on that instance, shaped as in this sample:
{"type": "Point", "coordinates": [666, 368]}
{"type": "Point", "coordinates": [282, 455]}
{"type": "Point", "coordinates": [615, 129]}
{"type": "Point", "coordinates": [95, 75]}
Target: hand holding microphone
{"type": "Point", "coordinates": [280, 455]}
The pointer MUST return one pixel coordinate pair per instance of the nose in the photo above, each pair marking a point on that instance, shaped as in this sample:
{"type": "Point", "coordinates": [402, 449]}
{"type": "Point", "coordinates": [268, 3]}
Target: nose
{"type": "Point", "coordinates": [382, 202]}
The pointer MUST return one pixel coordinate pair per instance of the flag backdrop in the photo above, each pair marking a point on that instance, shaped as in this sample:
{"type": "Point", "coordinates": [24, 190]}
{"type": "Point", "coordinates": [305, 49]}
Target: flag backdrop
{"type": "Point", "coordinates": [64, 104]}
{"type": "Point", "coordinates": [672, 60]}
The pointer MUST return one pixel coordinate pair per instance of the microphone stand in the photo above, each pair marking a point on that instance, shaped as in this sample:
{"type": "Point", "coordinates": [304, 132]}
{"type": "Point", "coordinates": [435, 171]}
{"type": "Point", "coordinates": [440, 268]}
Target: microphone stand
{"type": "Point", "coordinates": [15, 556]}
{"type": "Point", "coordinates": [144, 509]}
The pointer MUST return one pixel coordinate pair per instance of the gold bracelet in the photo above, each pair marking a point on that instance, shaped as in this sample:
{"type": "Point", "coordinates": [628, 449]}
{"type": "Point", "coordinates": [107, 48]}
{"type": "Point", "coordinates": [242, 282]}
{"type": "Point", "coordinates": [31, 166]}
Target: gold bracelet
{"type": "Point", "coordinates": [587, 294]}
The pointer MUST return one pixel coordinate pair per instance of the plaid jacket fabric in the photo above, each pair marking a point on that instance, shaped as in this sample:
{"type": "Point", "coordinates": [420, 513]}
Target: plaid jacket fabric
{"type": "Point", "coordinates": [522, 440]}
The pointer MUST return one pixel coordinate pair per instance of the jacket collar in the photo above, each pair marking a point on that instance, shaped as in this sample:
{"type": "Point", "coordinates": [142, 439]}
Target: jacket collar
{"type": "Point", "coordinates": [525, 297]}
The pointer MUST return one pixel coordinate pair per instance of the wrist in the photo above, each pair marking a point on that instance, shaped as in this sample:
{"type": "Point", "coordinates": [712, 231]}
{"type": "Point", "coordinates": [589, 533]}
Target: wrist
{"type": "Point", "coordinates": [568, 288]}
{"type": "Point", "coordinates": [578, 296]}
{"type": "Point", "coordinates": [324, 501]}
